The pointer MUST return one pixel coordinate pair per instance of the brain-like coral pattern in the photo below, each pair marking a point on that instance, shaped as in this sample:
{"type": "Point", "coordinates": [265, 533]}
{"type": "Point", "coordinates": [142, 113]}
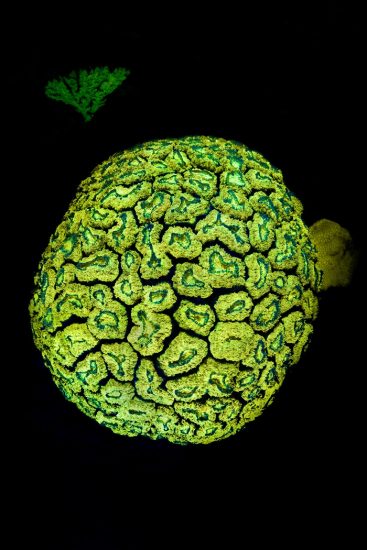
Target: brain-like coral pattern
{"type": "Point", "coordinates": [177, 290]}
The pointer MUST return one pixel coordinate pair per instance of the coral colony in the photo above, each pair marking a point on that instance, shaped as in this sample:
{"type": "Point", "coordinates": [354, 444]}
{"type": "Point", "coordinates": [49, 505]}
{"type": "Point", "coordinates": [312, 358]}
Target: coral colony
{"type": "Point", "coordinates": [178, 289]}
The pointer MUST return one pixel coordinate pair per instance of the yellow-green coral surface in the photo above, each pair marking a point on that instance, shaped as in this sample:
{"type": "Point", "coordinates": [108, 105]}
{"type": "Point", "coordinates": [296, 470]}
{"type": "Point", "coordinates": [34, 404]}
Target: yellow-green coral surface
{"type": "Point", "coordinates": [177, 290]}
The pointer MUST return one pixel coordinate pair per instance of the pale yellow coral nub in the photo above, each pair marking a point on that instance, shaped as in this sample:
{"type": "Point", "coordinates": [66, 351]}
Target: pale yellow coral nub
{"type": "Point", "coordinates": [336, 255]}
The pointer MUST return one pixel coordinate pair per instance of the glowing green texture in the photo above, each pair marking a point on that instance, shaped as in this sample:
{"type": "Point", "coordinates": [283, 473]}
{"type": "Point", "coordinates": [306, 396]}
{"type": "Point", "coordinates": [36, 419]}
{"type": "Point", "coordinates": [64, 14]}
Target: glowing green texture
{"type": "Point", "coordinates": [234, 306]}
{"type": "Point", "coordinates": [197, 317]}
{"type": "Point", "coordinates": [86, 91]}
{"type": "Point", "coordinates": [231, 340]}
{"type": "Point", "coordinates": [177, 290]}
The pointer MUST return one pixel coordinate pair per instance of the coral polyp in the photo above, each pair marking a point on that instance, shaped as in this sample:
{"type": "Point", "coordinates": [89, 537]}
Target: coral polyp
{"type": "Point", "coordinates": [177, 291]}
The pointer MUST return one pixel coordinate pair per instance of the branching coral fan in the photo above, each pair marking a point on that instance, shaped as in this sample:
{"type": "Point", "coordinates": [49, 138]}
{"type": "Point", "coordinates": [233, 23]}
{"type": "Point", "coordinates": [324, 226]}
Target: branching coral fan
{"type": "Point", "coordinates": [86, 91]}
{"type": "Point", "coordinates": [178, 289]}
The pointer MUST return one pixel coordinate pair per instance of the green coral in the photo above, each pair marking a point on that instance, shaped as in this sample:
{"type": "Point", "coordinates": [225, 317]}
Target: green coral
{"type": "Point", "coordinates": [178, 289]}
{"type": "Point", "coordinates": [150, 330]}
{"type": "Point", "coordinates": [86, 91]}
{"type": "Point", "coordinates": [183, 354]}
{"type": "Point", "coordinates": [120, 359]}
{"type": "Point", "coordinates": [231, 340]}
{"type": "Point", "coordinates": [197, 317]}
{"type": "Point", "coordinates": [233, 307]}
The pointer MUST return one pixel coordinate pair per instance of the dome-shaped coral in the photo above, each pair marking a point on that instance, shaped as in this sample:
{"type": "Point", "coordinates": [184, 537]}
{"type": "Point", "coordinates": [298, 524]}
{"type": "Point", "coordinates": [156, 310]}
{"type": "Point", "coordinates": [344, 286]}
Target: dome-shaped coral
{"type": "Point", "coordinates": [177, 290]}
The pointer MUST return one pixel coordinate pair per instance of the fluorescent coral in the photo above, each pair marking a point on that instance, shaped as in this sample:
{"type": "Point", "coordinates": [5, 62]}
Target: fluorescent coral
{"type": "Point", "coordinates": [177, 291]}
{"type": "Point", "coordinates": [86, 91]}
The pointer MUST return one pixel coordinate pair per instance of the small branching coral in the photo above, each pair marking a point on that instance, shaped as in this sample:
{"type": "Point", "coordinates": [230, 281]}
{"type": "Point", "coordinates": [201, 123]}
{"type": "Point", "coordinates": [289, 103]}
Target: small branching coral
{"type": "Point", "coordinates": [179, 289]}
{"type": "Point", "coordinates": [86, 91]}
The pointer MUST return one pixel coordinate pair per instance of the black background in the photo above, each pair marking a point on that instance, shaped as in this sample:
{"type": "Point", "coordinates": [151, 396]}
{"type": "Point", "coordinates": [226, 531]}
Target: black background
{"type": "Point", "coordinates": [288, 83]}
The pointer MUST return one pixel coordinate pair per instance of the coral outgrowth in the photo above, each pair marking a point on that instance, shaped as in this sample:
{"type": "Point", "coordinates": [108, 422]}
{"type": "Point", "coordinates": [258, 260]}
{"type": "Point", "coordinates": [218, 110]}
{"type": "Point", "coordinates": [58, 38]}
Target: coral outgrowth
{"type": "Point", "coordinates": [336, 254]}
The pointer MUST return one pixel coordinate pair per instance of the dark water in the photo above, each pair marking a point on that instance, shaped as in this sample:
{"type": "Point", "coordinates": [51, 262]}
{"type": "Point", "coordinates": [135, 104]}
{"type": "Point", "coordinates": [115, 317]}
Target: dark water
{"type": "Point", "coordinates": [287, 84]}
